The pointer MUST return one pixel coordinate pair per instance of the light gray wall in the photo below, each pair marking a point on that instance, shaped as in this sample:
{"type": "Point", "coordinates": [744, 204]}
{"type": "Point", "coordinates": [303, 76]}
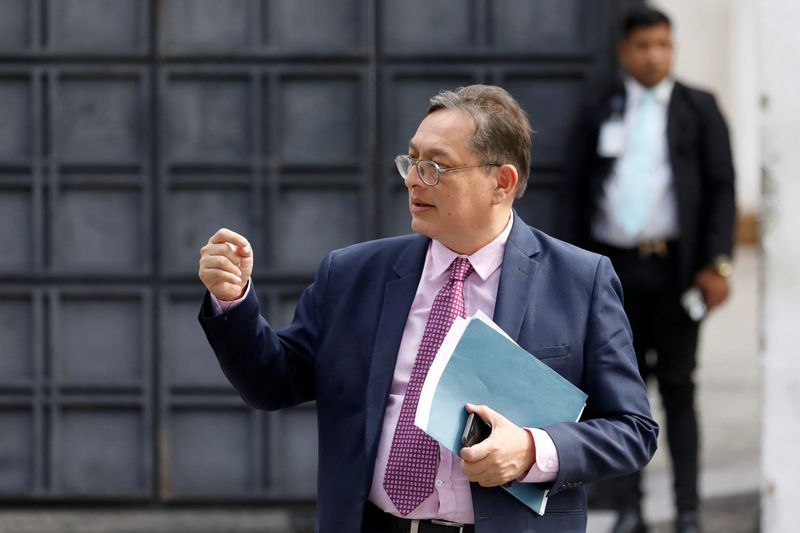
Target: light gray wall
{"type": "Point", "coordinates": [780, 130]}
{"type": "Point", "coordinates": [716, 47]}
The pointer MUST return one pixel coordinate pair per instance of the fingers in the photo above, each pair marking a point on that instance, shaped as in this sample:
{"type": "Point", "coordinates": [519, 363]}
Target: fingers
{"type": "Point", "coordinates": [715, 287]}
{"type": "Point", "coordinates": [221, 263]}
{"type": "Point", "coordinates": [486, 473]}
{"type": "Point", "coordinates": [476, 452]}
{"type": "Point", "coordinates": [225, 250]}
{"type": "Point", "coordinates": [486, 413]}
{"type": "Point", "coordinates": [212, 277]}
{"type": "Point", "coordinates": [720, 295]}
{"type": "Point", "coordinates": [224, 235]}
{"type": "Point", "coordinates": [474, 471]}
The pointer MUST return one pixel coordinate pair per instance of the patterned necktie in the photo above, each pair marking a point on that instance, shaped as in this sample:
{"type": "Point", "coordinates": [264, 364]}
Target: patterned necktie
{"type": "Point", "coordinates": [637, 167]}
{"type": "Point", "coordinates": [411, 470]}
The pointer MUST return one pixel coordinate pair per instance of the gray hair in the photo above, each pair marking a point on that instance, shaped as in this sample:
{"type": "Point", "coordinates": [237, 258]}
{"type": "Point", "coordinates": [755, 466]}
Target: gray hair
{"type": "Point", "coordinates": [502, 130]}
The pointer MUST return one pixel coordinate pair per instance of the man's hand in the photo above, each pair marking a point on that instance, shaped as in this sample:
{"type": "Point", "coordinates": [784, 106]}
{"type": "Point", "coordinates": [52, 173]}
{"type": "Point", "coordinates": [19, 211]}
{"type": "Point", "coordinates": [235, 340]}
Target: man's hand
{"type": "Point", "coordinates": [714, 286]}
{"type": "Point", "coordinates": [226, 264]}
{"type": "Point", "coordinates": [508, 453]}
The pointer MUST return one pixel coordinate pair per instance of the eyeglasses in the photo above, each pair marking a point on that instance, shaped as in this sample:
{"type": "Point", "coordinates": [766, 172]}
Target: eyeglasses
{"type": "Point", "coordinates": [429, 172]}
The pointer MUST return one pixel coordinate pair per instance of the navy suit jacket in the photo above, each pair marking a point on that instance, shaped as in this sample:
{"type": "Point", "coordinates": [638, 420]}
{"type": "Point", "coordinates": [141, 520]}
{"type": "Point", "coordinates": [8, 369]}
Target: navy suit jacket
{"type": "Point", "coordinates": [557, 301]}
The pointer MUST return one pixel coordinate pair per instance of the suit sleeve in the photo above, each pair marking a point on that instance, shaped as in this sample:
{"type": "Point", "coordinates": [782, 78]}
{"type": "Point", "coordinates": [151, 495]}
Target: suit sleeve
{"type": "Point", "coordinates": [718, 172]}
{"type": "Point", "coordinates": [270, 369]}
{"type": "Point", "coordinates": [617, 434]}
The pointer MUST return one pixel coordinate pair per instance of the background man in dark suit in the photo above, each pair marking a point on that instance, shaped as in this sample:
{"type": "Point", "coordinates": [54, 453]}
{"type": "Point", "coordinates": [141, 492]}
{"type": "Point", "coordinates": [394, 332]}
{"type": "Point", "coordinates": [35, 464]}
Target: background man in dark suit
{"type": "Point", "coordinates": [651, 185]}
{"type": "Point", "coordinates": [364, 329]}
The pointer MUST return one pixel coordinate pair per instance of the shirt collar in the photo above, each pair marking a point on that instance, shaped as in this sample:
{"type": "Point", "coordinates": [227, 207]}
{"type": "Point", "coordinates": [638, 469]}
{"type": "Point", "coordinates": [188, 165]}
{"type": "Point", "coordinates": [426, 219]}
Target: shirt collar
{"type": "Point", "coordinates": [662, 90]}
{"type": "Point", "coordinates": [485, 261]}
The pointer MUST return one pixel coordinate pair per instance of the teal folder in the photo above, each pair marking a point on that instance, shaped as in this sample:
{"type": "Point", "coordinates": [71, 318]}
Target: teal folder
{"type": "Point", "coordinates": [487, 367]}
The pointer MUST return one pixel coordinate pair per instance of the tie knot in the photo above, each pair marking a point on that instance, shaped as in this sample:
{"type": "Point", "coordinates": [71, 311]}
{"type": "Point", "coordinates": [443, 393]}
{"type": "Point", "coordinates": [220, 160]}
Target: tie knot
{"type": "Point", "coordinates": [460, 269]}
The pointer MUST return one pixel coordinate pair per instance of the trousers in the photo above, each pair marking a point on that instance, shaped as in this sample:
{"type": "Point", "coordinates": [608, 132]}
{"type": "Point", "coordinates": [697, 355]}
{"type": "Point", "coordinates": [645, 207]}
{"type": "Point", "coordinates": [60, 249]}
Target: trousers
{"type": "Point", "coordinates": [665, 340]}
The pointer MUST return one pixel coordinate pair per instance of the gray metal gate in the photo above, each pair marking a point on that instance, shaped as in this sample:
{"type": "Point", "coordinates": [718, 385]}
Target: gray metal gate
{"type": "Point", "coordinates": [131, 129]}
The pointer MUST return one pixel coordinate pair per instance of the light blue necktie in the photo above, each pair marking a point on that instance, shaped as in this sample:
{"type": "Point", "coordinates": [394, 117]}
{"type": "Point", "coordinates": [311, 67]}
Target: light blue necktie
{"type": "Point", "coordinates": [637, 168]}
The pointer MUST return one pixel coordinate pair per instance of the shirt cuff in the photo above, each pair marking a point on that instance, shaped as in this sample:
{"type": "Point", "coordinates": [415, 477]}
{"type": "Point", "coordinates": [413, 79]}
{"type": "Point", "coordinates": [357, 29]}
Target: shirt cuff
{"type": "Point", "coordinates": [546, 466]}
{"type": "Point", "coordinates": [221, 306]}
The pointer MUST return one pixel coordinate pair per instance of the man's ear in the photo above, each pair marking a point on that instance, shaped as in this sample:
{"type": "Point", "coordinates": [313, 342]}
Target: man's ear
{"type": "Point", "coordinates": [622, 53]}
{"type": "Point", "coordinates": [507, 179]}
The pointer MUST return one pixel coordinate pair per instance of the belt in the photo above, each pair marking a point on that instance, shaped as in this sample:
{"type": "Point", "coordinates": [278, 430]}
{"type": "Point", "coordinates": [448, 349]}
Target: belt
{"type": "Point", "coordinates": [657, 247]}
{"type": "Point", "coordinates": [644, 249]}
{"type": "Point", "coordinates": [389, 523]}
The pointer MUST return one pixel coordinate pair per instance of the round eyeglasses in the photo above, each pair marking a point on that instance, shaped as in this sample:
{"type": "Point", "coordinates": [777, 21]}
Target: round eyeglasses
{"type": "Point", "coordinates": [429, 171]}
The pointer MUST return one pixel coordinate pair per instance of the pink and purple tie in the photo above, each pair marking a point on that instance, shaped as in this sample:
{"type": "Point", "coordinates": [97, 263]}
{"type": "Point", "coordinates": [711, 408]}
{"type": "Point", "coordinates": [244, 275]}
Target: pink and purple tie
{"type": "Point", "coordinates": [411, 470]}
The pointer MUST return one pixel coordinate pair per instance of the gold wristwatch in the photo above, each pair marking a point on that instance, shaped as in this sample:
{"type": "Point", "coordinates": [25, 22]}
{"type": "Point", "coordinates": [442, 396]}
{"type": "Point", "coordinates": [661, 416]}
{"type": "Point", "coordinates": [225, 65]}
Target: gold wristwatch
{"type": "Point", "coordinates": [722, 265]}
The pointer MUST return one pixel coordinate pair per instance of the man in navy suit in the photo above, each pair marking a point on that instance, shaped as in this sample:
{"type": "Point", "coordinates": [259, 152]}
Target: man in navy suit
{"type": "Point", "coordinates": [363, 329]}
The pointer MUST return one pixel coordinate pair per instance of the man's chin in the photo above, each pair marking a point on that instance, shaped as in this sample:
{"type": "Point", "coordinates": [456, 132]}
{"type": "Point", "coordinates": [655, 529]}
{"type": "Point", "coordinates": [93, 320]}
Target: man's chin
{"type": "Point", "coordinates": [419, 226]}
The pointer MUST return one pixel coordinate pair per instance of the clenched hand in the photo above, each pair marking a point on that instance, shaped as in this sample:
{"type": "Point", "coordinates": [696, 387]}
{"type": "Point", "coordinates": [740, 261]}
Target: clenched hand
{"type": "Point", "coordinates": [226, 264]}
{"type": "Point", "coordinates": [714, 286]}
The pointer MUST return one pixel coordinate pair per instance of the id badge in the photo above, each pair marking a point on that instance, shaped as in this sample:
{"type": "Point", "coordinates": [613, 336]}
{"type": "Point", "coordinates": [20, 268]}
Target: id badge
{"type": "Point", "coordinates": [611, 142]}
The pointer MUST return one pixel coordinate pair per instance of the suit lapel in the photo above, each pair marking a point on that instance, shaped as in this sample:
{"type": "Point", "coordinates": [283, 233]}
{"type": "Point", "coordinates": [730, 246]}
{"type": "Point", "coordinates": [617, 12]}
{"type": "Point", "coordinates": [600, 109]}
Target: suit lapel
{"type": "Point", "coordinates": [398, 296]}
{"type": "Point", "coordinates": [675, 121]}
{"type": "Point", "coordinates": [517, 278]}
{"type": "Point", "coordinates": [679, 121]}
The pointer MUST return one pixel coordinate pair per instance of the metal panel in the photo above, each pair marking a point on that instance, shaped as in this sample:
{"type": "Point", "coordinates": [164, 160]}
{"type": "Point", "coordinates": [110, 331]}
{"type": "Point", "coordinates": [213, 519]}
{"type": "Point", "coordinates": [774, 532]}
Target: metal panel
{"type": "Point", "coordinates": [98, 393]}
{"type": "Point", "coordinates": [321, 220]}
{"type": "Point", "coordinates": [16, 113]}
{"type": "Point", "coordinates": [207, 119]}
{"type": "Point", "coordinates": [205, 25]}
{"type": "Point", "coordinates": [113, 26]}
{"type": "Point", "coordinates": [551, 99]}
{"type": "Point", "coordinates": [218, 440]}
{"type": "Point", "coordinates": [303, 25]}
{"type": "Point", "coordinates": [539, 206]}
{"type": "Point", "coordinates": [15, 25]}
{"type": "Point", "coordinates": [16, 451]}
{"type": "Point", "coordinates": [98, 119]}
{"type": "Point", "coordinates": [299, 467]}
{"type": "Point", "coordinates": [16, 331]}
{"type": "Point", "coordinates": [187, 359]}
{"type": "Point", "coordinates": [116, 342]}
{"type": "Point", "coordinates": [428, 25]}
{"type": "Point", "coordinates": [98, 231]}
{"type": "Point", "coordinates": [319, 119]}
{"type": "Point", "coordinates": [101, 452]}
{"type": "Point", "coordinates": [539, 25]}
{"type": "Point", "coordinates": [184, 233]}
{"type": "Point", "coordinates": [130, 130]}
{"type": "Point", "coordinates": [16, 223]}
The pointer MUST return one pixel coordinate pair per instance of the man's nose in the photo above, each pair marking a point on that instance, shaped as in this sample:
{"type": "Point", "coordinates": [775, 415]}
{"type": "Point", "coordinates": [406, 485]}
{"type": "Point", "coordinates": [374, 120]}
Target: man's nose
{"type": "Point", "coordinates": [412, 178]}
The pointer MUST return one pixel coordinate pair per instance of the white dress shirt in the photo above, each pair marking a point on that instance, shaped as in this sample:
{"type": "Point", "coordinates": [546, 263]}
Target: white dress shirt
{"type": "Point", "coordinates": [662, 222]}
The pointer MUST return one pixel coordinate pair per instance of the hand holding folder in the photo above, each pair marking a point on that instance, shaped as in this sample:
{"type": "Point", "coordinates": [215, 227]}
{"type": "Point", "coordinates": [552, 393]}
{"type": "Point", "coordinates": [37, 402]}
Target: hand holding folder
{"type": "Point", "coordinates": [477, 363]}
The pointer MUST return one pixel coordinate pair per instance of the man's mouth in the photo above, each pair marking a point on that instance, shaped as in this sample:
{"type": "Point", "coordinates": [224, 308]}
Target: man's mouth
{"type": "Point", "coordinates": [416, 205]}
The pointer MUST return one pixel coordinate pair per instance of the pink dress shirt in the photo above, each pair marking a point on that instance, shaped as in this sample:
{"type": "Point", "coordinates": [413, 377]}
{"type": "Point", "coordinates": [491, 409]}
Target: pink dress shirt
{"type": "Point", "coordinates": [451, 498]}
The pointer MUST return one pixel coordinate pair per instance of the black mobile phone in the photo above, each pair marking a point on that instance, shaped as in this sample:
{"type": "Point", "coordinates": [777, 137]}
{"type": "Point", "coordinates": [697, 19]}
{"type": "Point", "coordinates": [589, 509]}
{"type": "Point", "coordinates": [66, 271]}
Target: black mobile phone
{"type": "Point", "coordinates": [475, 430]}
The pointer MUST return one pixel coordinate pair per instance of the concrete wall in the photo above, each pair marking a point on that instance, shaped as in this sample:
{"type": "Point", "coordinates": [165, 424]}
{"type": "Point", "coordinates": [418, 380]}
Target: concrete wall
{"type": "Point", "coordinates": [716, 50]}
{"type": "Point", "coordinates": [779, 49]}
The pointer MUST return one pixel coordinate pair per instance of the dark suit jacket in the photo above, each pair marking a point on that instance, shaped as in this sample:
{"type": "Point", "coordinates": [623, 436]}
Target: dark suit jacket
{"type": "Point", "coordinates": [556, 300]}
{"type": "Point", "coordinates": [702, 170]}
